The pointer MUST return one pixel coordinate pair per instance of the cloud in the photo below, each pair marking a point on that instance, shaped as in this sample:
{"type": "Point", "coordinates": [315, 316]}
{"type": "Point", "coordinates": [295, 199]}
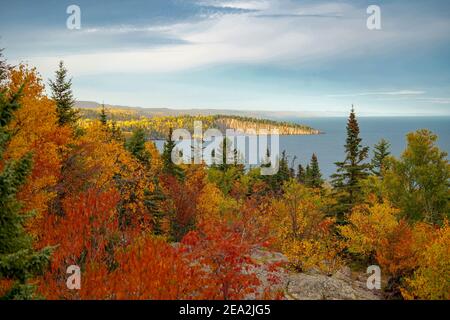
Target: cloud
{"type": "Point", "coordinates": [270, 33]}
{"type": "Point", "coordinates": [435, 100]}
{"type": "Point", "coordinates": [238, 4]}
{"type": "Point", "coordinates": [379, 93]}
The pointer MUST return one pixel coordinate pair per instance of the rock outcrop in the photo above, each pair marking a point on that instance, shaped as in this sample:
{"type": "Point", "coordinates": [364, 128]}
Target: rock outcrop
{"type": "Point", "coordinates": [342, 285]}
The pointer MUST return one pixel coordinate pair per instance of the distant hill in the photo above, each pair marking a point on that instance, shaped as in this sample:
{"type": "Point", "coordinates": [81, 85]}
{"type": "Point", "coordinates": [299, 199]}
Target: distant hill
{"type": "Point", "coordinates": [149, 112]}
{"type": "Point", "coordinates": [158, 121]}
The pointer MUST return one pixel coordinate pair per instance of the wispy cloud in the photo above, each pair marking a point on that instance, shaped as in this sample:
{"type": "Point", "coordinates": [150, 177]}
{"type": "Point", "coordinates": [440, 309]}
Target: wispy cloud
{"type": "Point", "coordinates": [273, 35]}
{"type": "Point", "coordinates": [436, 100]}
{"type": "Point", "coordinates": [237, 4]}
{"type": "Point", "coordinates": [379, 93]}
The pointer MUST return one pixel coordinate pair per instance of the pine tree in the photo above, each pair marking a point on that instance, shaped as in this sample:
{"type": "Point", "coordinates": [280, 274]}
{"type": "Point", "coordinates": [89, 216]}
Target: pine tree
{"type": "Point", "coordinates": [301, 174]}
{"type": "Point", "coordinates": [307, 174]}
{"type": "Point", "coordinates": [222, 153]}
{"type": "Point", "coordinates": [18, 260]}
{"type": "Point", "coordinates": [380, 152]}
{"type": "Point", "coordinates": [283, 171]}
{"type": "Point", "coordinates": [153, 201]}
{"type": "Point", "coordinates": [116, 133]}
{"type": "Point", "coordinates": [63, 96]}
{"type": "Point", "coordinates": [136, 146]}
{"type": "Point", "coordinates": [103, 117]}
{"type": "Point", "coordinates": [314, 176]}
{"type": "Point", "coordinates": [277, 180]}
{"type": "Point", "coordinates": [169, 167]}
{"type": "Point", "coordinates": [352, 170]}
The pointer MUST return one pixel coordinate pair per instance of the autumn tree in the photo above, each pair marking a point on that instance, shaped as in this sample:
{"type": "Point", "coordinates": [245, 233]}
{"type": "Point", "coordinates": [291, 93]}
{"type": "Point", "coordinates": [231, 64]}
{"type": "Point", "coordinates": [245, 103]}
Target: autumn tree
{"type": "Point", "coordinates": [85, 234]}
{"type": "Point", "coordinates": [302, 230]}
{"type": "Point", "coordinates": [368, 225]}
{"type": "Point", "coordinates": [380, 153]}
{"type": "Point", "coordinates": [62, 94]}
{"type": "Point", "coordinates": [418, 182]}
{"type": "Point", "coordinates": [36, 130]}
{"type": "Point", "coordinates": [350, 171]}
{"type": "Point", "coordinates": [182, 200]}
{"type": "Point", "coordinates": [225, 255]}
{"type": "Point", "coordinates": [428, 280]}
{"type": "Point", "coordinates": [18, 259]}
{"type": "Point", "coordinates": [376, 233]}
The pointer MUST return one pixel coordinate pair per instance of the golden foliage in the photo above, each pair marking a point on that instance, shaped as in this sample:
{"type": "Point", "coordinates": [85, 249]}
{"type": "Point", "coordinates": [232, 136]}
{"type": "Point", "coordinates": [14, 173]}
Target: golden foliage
{"type": "Point", "coordinates": [35, 130]}
{"type": "Point", "coordinates": [303, 232]}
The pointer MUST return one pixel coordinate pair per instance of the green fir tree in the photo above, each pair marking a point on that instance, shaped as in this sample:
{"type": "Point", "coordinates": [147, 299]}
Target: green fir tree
{"type": "Point", "coordinates": [349, 173]}
{"type": "Point", "coordinates": [18, 260]}
{"type": "Point", "coordinates": [62, 94]}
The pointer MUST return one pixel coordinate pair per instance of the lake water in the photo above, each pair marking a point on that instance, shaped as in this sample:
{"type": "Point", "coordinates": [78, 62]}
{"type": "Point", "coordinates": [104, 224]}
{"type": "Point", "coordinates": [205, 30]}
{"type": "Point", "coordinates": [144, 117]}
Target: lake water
{"type": "Point", "coordinates": [329, 147]}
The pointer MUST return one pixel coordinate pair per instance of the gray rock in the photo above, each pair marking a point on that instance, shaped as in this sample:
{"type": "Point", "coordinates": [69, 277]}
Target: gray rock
{"type": "Point", "coordinates": [302, 286]}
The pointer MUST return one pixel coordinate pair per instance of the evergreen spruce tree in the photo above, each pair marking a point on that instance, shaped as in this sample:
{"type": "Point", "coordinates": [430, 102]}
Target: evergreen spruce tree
{"type": "Point", "coordinates": [301, 174]}
{"type": "Point", "coordinates": [116, 133]}
{"type": "Point", "coordinates": [283, 172]}
{"type": "Point", "coordinates": [103, 117]}
{"type": "Point", "coordinates": [314, 176]}
{"type": "Point", "coordinates": [307, 174]}
{"type": "Point", "coordinates": [168, 166]}
{"type": "Point", "coordinates": [153, 201]}
{"type": "Point", "coordinates": [277, 180]}
{"type": "Point", "coordinates": [380, 152]}
{"type": "Point", "coordinates": [136, 146]}
{"type": "Point", "coordinates": [18, 260]}
{"type": "Point", "coordinates": [350, 171]}
{"type": "Point", "coordinates": [63, 96]}
{"type": "Point", "coordinates": [222, 153]}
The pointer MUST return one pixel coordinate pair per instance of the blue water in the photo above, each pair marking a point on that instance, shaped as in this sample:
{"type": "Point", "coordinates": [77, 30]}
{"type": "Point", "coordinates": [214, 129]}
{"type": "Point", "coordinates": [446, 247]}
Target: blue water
{"type": "Point", "coordinates": [329, 147]}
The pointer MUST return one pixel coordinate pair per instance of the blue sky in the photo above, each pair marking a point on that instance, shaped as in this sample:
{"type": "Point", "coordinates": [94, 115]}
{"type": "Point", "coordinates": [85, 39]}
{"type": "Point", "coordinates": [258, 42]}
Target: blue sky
{"type": "Point", "coordinates": [315, 56]}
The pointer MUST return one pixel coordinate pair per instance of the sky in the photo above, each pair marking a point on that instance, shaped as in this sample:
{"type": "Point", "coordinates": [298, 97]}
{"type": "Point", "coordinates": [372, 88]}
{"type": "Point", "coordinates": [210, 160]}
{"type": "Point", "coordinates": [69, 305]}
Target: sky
{"type": "Point", "coordinates": [275, 55]}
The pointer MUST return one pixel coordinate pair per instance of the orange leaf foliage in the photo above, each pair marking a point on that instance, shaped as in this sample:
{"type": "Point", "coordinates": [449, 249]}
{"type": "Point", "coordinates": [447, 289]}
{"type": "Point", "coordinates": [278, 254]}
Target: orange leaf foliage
{"type": "Point", "coordinates": [35, 130]}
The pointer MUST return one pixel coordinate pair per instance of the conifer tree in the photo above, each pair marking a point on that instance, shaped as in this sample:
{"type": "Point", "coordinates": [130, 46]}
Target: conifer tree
{"type": "Point", "coordinates": [307, 174]}
{"type": "Point", "coordinates": [284, 172]}
{"type": "Point", "coordinates": [314, 176]}
{"type": "Point", "coordinates": [103, 117]}
{"type": "Point", "coordinates": [222, 153]}
{"type": "Point", "coordinates": [169, 167]}
{"type": "Point", "coordinates": [380, 152]}
{"type": "Point", "coordinates": [301, 174]}
{"type": "Point", "coordinates": [62, 94]}
{"type": "Point", "coordinates": [277, 180]}
{"type": "Point", "coordinates": [136, 146]}
{"type": "Point", "coordinates": [18, 260]}
{"type": "Point", "coordinates": [116, 133]}
{"type": "Point", "coordinates": [352, 170]}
